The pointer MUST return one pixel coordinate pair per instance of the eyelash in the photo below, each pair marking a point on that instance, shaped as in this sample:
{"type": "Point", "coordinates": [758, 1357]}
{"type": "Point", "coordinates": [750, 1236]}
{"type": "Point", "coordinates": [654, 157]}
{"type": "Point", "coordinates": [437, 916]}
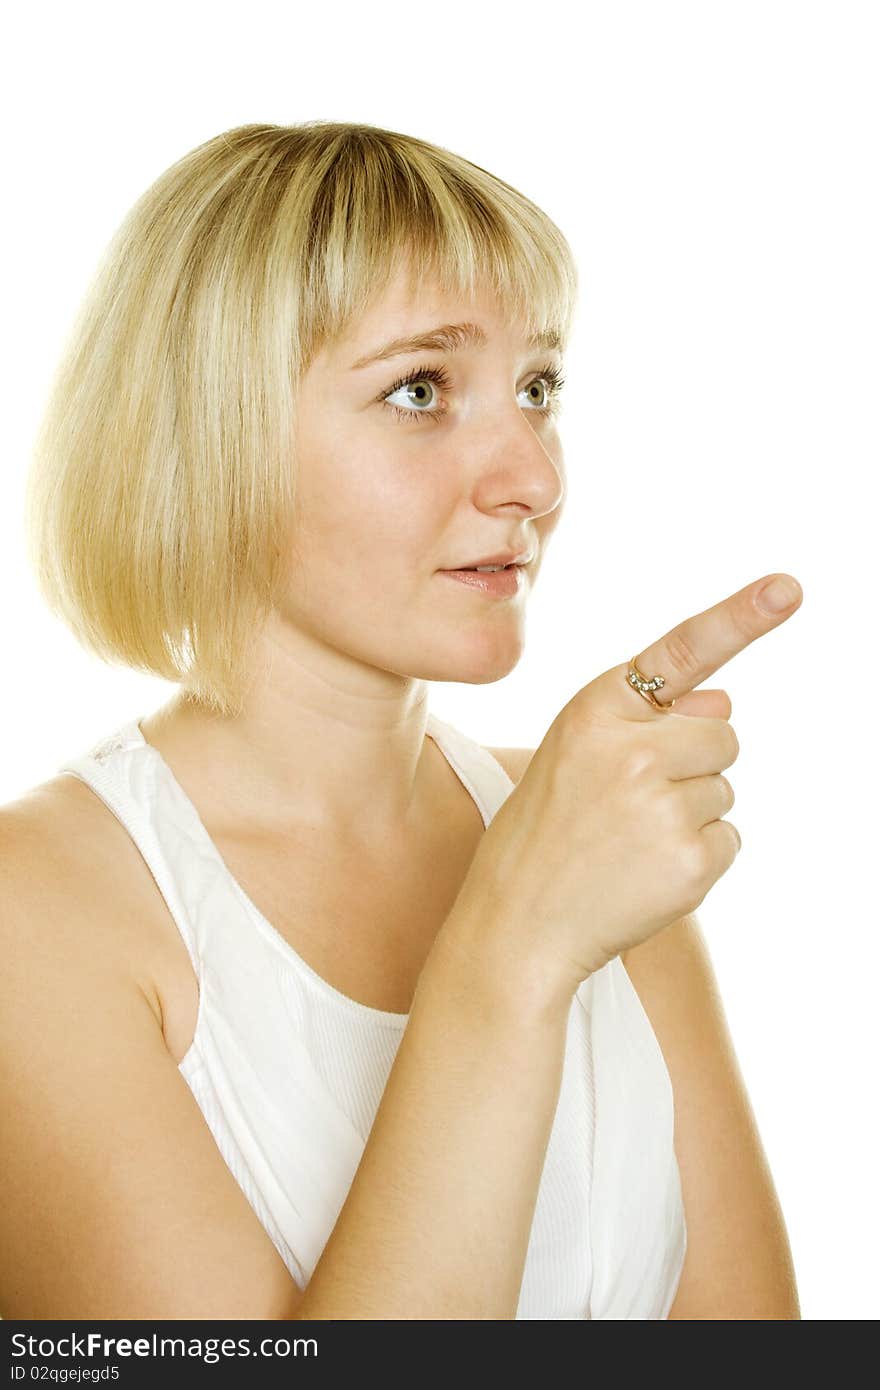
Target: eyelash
{"type": "Point", "coordinates": [551, 374]}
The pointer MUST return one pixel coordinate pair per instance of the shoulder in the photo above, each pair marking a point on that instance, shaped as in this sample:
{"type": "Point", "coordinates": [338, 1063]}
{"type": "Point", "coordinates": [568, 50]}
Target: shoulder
{"type": "Point", "coordinates": [57, 836]}
{"type": "Point", "coordinates": [66, 864]}
{"type": "Point", "coordinates": [87, 1074]}
{"type": "Point", "coordinates": [36, 834]}
{"type": "Point", "coordinates": [513, 760]}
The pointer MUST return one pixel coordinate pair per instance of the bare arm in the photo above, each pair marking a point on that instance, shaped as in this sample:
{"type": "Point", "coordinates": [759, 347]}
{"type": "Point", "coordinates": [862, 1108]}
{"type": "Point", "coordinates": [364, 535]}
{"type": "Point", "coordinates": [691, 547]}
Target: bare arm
{"type": "Point", "coordinates": [739, 1262]}
{"type": "Point", "coordinates": [118, 1202]}
{"type": "Point", "coordinates": [437, 1220]}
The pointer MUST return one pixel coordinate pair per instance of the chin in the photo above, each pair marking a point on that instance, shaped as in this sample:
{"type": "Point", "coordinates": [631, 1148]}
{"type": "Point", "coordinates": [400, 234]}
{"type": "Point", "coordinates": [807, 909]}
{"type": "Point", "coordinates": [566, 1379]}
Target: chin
{"type": "Point", "coordinates": [477, 661]}
{"type": "Point", "coordinates": [483, 679]}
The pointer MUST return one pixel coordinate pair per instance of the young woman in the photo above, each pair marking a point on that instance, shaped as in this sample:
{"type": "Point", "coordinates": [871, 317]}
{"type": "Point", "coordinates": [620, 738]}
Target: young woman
{"type": "Point", "coordinates": [310, 1011]}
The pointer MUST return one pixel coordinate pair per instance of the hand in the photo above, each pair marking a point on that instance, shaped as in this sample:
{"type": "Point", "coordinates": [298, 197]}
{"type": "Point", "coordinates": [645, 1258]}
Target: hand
{"type": "Point", "coordinates": [615, 830]}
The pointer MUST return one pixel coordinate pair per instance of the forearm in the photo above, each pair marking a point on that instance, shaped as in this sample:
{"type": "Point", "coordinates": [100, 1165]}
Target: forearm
{"type": "Point", "coordinates": [437, 1220]}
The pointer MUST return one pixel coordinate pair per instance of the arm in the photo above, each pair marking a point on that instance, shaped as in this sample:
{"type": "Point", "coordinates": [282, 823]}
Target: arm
{"type": "Point", "coordinates": [738, 1263]}
{"type": "Point", "coordinates": [118, 1203]}
{"type": "Point", "coordinates": [438, 1216]}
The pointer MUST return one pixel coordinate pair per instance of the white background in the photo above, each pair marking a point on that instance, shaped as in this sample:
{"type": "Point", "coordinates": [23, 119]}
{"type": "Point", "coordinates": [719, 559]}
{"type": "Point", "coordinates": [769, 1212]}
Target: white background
{"type": "Point", "coordinates": [715, 168]}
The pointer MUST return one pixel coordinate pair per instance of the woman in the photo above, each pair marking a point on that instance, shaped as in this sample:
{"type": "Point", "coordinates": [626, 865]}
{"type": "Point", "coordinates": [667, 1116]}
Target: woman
{"type": "Point", "coordinates": [293, 1034]}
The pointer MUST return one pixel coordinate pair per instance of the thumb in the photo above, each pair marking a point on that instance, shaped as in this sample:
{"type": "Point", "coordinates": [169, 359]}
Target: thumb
{"type": "Point", "coordinates": [709, 704]}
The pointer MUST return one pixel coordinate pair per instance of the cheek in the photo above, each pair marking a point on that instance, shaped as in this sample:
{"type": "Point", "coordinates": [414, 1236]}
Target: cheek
{"type": "Point", "coordinates": [407, 508]}
{"type": "Point", "coordinates": [372, 511]}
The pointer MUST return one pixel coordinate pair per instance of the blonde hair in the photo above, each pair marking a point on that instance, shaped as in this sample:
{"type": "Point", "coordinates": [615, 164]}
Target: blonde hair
{"type": "Point", "coordinates": [161, 488]}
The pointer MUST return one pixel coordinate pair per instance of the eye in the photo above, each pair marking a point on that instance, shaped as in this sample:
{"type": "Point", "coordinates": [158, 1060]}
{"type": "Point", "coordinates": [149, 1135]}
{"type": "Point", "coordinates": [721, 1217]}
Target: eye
{"type": "Point", "coordinates": [550, 381]}
{"type": "Point", "coordinates": [421, 387]}
{"type": "Point", "coordinates": [545, 392]}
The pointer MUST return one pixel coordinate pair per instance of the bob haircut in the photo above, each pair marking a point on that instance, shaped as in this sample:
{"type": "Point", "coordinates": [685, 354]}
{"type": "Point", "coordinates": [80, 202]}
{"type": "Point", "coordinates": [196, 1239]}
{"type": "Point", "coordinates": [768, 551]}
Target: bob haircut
{"type": "Point", "coordinates": [161, 488]}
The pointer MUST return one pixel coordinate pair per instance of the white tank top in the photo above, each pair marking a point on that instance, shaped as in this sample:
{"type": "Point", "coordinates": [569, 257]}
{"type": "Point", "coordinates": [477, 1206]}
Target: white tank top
{"type": "Point", "coordinates": [288, 1072]}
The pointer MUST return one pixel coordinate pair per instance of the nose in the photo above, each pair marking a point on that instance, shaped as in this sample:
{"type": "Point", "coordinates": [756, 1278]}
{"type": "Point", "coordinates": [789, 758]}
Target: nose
{"type": "Point", "coordinates": [520, 464]}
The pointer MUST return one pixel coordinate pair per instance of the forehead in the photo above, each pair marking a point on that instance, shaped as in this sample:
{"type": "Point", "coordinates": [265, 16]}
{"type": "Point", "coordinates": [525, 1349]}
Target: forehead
{"type": "Point", "coordinates": [411, 304]}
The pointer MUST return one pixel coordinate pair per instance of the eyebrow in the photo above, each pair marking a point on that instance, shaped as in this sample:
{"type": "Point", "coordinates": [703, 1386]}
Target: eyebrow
{"type": "Point", "coordinates": [447, 337]}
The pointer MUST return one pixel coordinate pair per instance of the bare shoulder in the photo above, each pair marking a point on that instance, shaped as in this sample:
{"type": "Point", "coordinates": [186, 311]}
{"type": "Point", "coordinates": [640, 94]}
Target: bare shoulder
{"type": "Point", "coordinates": [117, 1200]}
{"type": "Point", "coordinates": [513, 760]}
{"type": "Point", "coordinates": [51, 810]}
{"type": "Point", "coordinates": [42, 835]}
{"type": "Point", "coordinates": [64, 857]}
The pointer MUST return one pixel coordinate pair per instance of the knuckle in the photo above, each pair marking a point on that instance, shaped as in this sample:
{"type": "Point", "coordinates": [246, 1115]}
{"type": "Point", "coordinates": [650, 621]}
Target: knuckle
{"type": "Point", "coordinates": [742, 616]}
{"type": "Point", "coordinates": [639, 762]}
{"type": "Point", "coordinates": [569, 725]}
{"type": "Point", "coordinates": [694, 862]}
{"type": "Point", "coordinates": [669, 807]}
{"type": "Point", "coordinates": [682, 656]}
{"type": "Point", "coordinates": [728, 744]}
{"type": "Point", "coordinates": [729, 794]}
{"type": "Point", "coordinates": [576, 717]}
{"type": "Point", "coordinates": [734, 743]}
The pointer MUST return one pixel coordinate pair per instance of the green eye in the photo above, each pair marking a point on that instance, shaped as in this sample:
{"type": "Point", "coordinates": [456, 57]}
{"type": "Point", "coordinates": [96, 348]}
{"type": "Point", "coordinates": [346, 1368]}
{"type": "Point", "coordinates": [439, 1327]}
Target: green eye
{"type": "Point", "coordinates": [415, 384]}
{"type": "Point", "coordinates": [417, 381]}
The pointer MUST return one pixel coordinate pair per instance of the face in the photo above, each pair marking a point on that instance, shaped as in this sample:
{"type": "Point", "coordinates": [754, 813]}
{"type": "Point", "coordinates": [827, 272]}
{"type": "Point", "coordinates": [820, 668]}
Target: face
{"type": "Point", "coordinates": [396, 484]}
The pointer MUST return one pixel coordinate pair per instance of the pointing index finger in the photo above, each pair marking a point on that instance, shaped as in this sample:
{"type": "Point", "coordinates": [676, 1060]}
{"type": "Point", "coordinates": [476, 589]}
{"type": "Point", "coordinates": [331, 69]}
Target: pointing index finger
{"type": "Point", "coordinates": [693, 650]}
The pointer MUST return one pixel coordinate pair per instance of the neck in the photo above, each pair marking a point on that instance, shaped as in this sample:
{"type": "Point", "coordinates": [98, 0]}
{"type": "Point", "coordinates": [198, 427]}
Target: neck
{"type": "Point", "coordinates": [323, 740]}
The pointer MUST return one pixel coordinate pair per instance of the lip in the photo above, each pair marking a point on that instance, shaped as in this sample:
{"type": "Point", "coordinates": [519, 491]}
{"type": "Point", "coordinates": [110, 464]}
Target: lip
{"type": "Point", "coordinates": [505, 583]}
{"type": "Point", "coordinates": [506, 557]}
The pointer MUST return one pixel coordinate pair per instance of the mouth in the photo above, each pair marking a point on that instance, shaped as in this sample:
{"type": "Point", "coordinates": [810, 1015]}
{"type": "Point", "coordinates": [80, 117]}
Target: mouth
{"type": "Point", "coordinates": [502, 559]}
{"type": "Point", "coordinates": [503, 582]}
{"type": "Point", "coordinates": [483, 569]}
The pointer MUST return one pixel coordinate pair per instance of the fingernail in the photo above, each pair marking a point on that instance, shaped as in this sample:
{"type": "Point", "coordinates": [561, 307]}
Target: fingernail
{"type": "Point", "coordinates": [779, 594]}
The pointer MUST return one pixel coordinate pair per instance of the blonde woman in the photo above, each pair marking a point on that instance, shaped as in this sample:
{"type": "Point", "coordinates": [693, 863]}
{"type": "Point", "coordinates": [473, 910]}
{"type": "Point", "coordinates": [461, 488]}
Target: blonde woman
{"type": "Point", "coordinates": [312, 1006]}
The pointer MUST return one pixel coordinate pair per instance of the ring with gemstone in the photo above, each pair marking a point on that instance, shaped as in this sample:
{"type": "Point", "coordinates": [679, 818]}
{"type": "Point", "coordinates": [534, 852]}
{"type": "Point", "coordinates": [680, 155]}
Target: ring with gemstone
{"type": "Point", "coordinates": [646, 686]}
